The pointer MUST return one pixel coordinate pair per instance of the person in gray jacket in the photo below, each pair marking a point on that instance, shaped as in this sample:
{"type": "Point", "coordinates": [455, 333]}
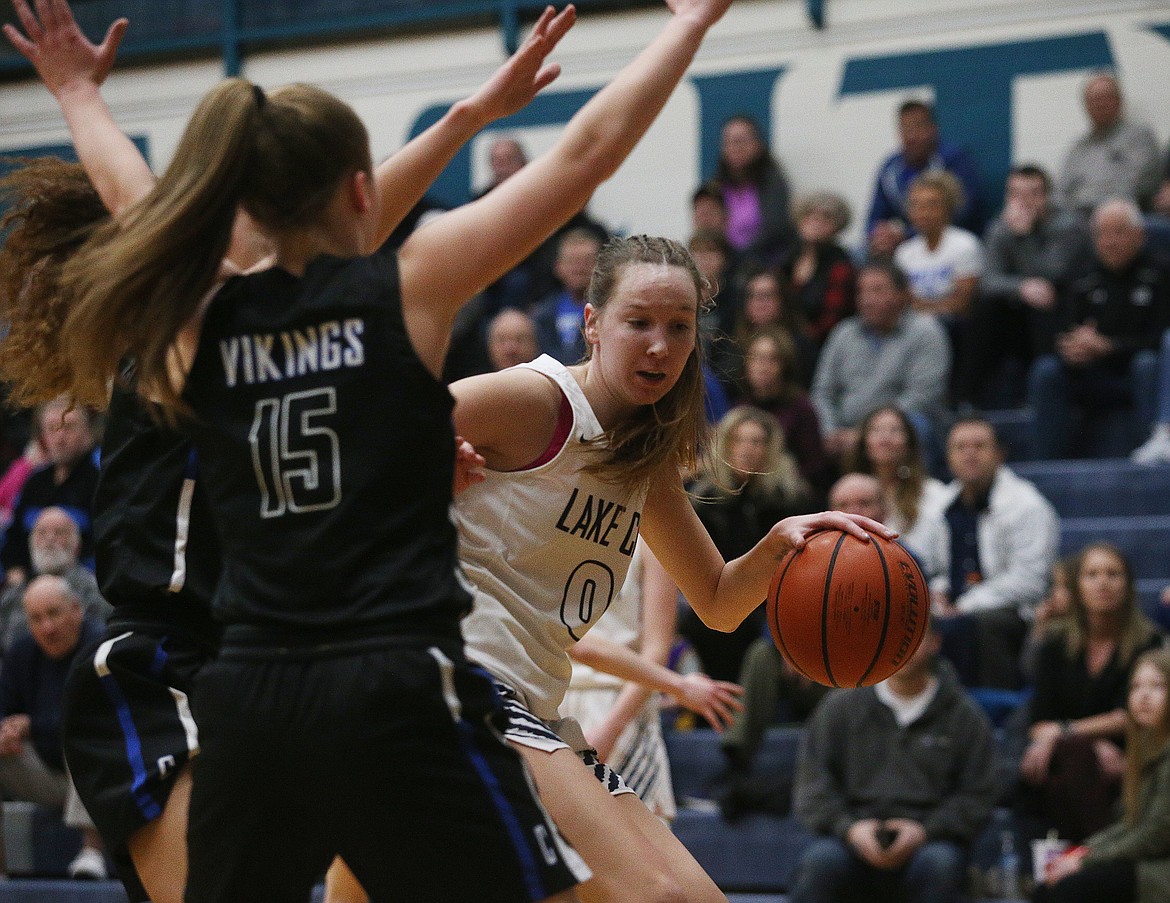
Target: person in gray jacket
{"type": "Point", "coordinates": [896, 780]}
{"type": "Point", "coordinates": [886, 354]}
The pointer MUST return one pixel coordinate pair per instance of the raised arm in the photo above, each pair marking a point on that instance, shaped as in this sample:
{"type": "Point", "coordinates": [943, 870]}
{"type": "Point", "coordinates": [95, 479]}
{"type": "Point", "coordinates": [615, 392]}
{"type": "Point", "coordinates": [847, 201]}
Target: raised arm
{"type": "Point", "coordinates": [404, 177]}
{"type": "Point", "coordinates": [457, 255]}
{"type": "Point", "coordinates": [73, 69]}
{"type": "Point", "coordinates": [724, 593]}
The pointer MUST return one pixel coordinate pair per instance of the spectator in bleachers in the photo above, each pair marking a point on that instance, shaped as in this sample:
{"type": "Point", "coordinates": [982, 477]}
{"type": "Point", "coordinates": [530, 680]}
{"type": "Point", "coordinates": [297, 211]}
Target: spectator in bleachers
{"type": "Point", "coordinates": [516, 288]}
{"type": "Point", "coordinates": [886, 354]}
{"type": "Point", "coordinates": [511, 339]}
{"type": "Point", "coordinates": [888, 447]}
{"type": "Point", "coordinates": [506, 157]}
{"type": "Point", "coordinates": [997, 538]}
{"type": "Point", "coordinates": [896, 781]}
{"type": "Point", "coordinates": [1116, 158]}
{"type": "Point", "coordinates": [560, 318]}
{"type": "Point", "coordinates": [755, 193]}
{"type": "Point", "coordinates": [53, 546]}
{"type": "Point", "coordinates": [32, 684]}
{"type": "Point", "coordinates": [1049, 616]}
{"type": "Point", "coordinates": [765, 306]}
{"type": "Point", "coordinates": [1074, 761]}
{"type": "Point", "coordinates": [754, 483]}
{"type": "Point", "coordinates": [1032, 250]}
{"type": "Point", "coordinates": [713, 257]}
{"type": "Point", "coordinates": [1114, 320]}
{"type": "Point", "coordinates": [773, 690]}
{"type": "Point", "coordinates": [66, 481]}
{"type": "Point", "coordinates": [1129, 861]}
{"type": "Point", "coordinates": [770, 384]}
{"type": "Point", "coordinates": [942, 262]}
{"type": "Point", "coordinates": [821, 278]}
{"type": "Point", "coordinates": [923, 150]}
{"type": "Point", "coordinates": [708, 209]}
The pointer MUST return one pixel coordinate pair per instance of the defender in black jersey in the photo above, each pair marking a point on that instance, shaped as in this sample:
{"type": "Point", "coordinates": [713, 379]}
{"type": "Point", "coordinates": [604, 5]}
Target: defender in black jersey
{"type": "Point", "coordinates": [128, 728]}
{"type": "Point", "coordinates": [341, 716]}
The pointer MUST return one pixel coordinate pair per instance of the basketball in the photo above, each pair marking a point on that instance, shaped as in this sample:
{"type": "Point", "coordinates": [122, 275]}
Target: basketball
{"type": "Point", "coordinates": [847, 613]}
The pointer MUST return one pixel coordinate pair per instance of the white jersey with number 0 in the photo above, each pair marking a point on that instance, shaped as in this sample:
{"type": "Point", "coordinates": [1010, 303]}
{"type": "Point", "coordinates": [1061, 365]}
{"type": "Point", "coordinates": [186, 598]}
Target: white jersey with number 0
{"type": "Point", "coordinates": [546, 551]}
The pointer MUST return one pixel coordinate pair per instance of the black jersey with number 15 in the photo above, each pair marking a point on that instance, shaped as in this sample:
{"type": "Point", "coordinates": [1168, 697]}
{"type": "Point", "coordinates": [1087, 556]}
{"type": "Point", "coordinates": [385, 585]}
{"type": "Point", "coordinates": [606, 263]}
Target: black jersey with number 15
{"type": "Point", "coordinates": [326, 450]}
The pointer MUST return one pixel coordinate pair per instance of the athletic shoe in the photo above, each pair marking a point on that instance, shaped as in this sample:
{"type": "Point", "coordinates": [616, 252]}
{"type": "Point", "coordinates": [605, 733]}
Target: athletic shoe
{"type": "Point", "coordinates": [89, 864]}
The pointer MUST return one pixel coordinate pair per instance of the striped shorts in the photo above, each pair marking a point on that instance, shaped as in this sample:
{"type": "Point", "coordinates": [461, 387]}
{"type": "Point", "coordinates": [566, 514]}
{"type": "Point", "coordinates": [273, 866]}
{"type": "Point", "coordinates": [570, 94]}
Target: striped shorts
{"type": "Point", "coordinates": [525, 729]}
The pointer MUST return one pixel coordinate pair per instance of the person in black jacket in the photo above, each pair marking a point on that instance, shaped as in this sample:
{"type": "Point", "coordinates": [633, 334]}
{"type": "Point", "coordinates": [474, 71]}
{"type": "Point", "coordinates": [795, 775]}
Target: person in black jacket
{"type": "Point", "coordinates": [1114, 318]}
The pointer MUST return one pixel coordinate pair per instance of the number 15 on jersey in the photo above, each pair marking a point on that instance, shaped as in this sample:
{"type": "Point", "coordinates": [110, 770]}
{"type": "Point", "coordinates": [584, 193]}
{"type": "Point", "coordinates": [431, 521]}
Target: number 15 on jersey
{"type": "Point", "coordinates": [296, 457]}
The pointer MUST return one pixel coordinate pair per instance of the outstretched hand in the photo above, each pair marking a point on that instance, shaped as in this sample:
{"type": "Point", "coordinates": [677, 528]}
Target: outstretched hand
{"type": "Point", "coordinates": [716, 700]}
{"type": "Point", "coordinates": [57, 48]}
{"type": "Point", "coordinates": [525, 74]}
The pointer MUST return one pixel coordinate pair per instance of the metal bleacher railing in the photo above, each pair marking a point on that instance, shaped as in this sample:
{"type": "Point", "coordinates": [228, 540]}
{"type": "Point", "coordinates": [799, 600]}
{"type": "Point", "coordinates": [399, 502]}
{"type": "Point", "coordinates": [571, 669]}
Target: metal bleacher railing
{"type": "Point", "coordinates": [230, 28]}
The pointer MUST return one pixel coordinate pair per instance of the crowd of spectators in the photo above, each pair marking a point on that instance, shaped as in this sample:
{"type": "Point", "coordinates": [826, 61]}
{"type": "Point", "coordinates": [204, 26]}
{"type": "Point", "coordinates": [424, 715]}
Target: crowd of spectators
{"type": "Point", "coordinates": [847, 375]}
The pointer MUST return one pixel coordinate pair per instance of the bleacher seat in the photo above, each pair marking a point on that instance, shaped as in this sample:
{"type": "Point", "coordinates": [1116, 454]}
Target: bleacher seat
{"type": "Point", "coordinates": [1143, 540]}
{"type": "Point", "coordinates": [1100, 486]}
{"type": "Point", "coordinates": [1014, 428]}
{"type": "Point", "coordinates": [36, 841]}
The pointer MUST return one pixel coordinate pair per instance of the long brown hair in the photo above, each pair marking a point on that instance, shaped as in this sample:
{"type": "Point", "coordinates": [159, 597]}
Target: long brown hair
{"type": "Point", "coordinates": [137, 282]}
{"type": "Point", "coordinates": [911, 472]}
{"type": "Point", "coordinates": [674, 429]}
{"type": "Point", "coordinates": [54, 210]}
{"type": "Point", "coordinates": [1134, 629]}
{"type": "Point", "coordinates": [1144, 745]}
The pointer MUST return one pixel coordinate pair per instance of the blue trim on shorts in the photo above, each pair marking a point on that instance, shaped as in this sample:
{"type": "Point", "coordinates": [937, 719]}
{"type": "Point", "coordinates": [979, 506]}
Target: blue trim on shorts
{"type": "Point", "coordinates": [466, 734]}
{"type": "Point", "coordinates": [160, 659]}
{"type": "Point", "coordinates": [147, 804]}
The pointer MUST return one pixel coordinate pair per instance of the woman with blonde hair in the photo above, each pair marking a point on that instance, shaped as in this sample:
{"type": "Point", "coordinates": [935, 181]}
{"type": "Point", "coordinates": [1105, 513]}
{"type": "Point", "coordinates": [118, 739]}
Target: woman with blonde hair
{"type": "Point", "coordinates": [751, 483]}
{"type": "Point", "coordinates": [1074, 759]}
{"type": "Point", "coordinates": [1129, 861]}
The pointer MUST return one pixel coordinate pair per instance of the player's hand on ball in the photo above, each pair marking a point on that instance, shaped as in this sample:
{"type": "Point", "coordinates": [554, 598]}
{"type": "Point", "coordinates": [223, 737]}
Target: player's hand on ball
{"type": "Point", "coordinates": [794, 532]}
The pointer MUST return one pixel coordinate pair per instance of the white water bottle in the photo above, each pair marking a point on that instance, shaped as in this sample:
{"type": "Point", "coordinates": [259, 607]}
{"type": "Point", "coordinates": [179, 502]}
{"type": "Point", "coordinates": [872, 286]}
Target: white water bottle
{"type": "Point", "coordinates": [1009, 866]}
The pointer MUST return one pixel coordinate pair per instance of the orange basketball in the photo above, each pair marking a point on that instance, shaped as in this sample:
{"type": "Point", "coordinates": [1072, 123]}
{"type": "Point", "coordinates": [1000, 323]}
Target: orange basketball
{"type": "Point", "coordinates": [848, 613]}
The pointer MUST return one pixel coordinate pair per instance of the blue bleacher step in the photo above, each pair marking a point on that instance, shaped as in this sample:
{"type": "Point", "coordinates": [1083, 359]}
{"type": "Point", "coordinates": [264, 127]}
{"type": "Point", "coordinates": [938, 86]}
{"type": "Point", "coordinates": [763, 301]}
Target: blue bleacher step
{"type": "Point", "coordinates": [1143, 540]}
{"type": "Point", "coordinates": [1014, 428]}
{"type": "Point", "coordinates": [61, 891]}
{"type": "Point", "coordinates": [1100, 487]}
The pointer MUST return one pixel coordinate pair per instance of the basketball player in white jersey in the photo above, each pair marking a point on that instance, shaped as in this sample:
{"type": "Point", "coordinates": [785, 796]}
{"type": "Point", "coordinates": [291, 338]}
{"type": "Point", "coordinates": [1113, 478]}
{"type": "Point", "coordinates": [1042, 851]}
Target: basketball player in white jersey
{"type": "Point", "coordinates": [580, 461]}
